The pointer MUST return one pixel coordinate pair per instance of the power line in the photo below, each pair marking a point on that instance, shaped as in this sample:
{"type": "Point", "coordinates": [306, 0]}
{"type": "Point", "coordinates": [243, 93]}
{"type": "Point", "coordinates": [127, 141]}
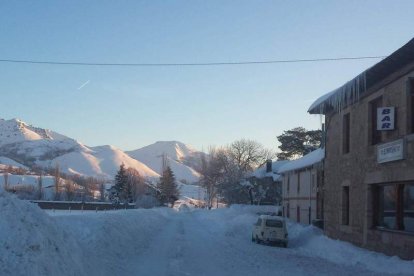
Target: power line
{"type": "Point", "coordinates": [188, 64]}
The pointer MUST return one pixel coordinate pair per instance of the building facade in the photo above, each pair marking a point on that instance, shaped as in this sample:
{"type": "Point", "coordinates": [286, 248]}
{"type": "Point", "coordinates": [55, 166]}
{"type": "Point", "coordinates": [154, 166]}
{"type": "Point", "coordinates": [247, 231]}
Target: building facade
{"type": "Point", "coordinates": [302, 185]}
{"type": "Point", "coordinates": [369, 162]}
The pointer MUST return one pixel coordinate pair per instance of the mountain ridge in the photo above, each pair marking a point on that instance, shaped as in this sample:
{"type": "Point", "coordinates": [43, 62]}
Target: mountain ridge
{"type": "Point", "coordinates": [30, 145]}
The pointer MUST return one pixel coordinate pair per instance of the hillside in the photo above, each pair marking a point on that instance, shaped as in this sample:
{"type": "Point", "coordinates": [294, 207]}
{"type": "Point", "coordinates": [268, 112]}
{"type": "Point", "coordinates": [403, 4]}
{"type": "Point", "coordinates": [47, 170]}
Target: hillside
{"type": "Point", "coordinates": [177, 155]}
{"type": "Point", "coordinates": [28, 145]}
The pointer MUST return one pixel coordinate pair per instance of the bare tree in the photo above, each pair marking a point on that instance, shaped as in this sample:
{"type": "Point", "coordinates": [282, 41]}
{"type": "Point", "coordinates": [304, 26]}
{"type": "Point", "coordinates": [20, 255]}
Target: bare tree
{"type": "Point", "coordinates": [57, 182]}
{"type": "Point", "coordinates": [70, 189]}
{"type": "Point", "coordinates": [102, 191]}
{"type": "Point", "coordinates": [135, 185]}
{"type": "Point", "coordinates": [6, 181]}
{"type": "Point", "coordinates": [249, 154]}
{"type": "Point", "coordinates": [40, 187]}
{"type": "Point", "coordinates": [225, 169]}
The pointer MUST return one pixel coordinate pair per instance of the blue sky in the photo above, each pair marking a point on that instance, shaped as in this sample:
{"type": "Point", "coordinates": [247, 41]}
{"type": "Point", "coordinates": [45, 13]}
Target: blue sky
{"type": "Point", "coordinates": [131, 107]}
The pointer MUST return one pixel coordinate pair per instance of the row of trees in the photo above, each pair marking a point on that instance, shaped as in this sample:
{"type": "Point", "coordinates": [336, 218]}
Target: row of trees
{"type": "Point", "coordinates": [65, 186]}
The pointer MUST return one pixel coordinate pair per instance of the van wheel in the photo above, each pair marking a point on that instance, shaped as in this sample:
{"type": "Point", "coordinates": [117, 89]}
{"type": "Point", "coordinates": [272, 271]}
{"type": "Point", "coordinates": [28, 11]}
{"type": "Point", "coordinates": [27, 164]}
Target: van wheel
{"type": "Point", "coordinates": [253, 240]}
{"type": "Point", "coordinates": [257, 240]}
{"type": "Point", "coordinates": [285, 244]}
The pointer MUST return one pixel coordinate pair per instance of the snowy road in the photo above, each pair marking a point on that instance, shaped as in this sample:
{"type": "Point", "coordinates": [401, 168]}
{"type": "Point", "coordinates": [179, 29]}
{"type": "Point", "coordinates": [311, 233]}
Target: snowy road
{"type": "Point", "coordinates": [191, 244]}
{"type": "Point", "coordinates": [165, 242]}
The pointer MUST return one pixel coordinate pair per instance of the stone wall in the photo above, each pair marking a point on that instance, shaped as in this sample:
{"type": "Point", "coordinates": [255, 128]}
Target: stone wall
{"type": "Point", "coordinates": [359, 170]}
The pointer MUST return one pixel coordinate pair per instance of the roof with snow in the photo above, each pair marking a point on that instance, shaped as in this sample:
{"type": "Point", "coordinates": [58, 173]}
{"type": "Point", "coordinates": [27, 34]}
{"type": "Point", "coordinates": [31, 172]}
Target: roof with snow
{"type": "Point", "coordinates": [365, 83]}
{"type": "Point", "coordinates": [306, 161]}
{"type": "Point", "coordinates": [261, 171]}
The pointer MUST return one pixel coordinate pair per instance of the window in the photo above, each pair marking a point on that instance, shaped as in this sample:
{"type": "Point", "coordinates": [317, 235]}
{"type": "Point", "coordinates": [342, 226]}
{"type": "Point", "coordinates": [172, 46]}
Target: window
{"type": "Point", "coordinates": [346, 127]}
{"type": "Point", "coordinates": [374, 133]}
{"type": "Point", "coordinates": [411, 103]}
{"type": "Point", "coordinates": [345, 205]}
{"type": "Point", "coordinates": [259, 222]}
{"type": "Point", "coordinates": [395, 207]}
{"type": "Point", "coordinates": [274, 223]}
{"type": "Point", "coordinates": [408, 208]}
{"type": "Point", "coordinates": [288, 211]}
{"type": "Point", "coordinates": [298, 214]}
{"type": "Point", "coordinates": [288, 184]}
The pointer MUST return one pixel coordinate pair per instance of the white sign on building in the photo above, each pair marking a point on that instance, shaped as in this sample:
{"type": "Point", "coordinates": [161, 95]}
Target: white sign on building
{"type": "Point", "coordinates": [385, 118]}
{"type": "Point", "coordinates": [390, 151]}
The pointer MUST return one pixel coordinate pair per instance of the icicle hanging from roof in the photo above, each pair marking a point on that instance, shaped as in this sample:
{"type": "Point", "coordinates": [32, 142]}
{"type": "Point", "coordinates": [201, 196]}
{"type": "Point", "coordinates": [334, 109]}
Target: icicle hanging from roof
{"type": "Point", "coordinates": [343, 96]}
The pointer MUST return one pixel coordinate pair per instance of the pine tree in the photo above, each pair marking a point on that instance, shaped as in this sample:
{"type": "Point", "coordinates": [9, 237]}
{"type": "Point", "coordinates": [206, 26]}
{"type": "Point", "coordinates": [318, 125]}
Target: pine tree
{"type": "Point", "coordinates": [168, 187]}
{"type": "Point", "coordinates": [120, 187]}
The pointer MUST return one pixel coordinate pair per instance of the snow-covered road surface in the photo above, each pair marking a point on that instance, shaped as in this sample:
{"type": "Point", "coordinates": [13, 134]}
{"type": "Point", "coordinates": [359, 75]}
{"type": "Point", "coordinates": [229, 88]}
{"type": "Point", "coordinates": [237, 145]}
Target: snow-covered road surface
{"type": "Point", "coordinates": [167, 242]}
{"type": "Point", "coordinates": [190, 244]}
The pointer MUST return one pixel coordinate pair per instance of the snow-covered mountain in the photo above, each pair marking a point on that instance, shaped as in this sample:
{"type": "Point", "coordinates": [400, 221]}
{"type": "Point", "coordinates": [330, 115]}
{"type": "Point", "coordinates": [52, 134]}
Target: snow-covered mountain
{"type": "Point", "coordinates": [30, 146]}
{"type": "Point", "coordinates": [181, 158]}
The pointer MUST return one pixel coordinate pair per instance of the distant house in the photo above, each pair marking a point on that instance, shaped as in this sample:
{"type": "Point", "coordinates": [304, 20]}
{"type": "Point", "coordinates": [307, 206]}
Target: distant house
{"type": "Point", "coordinates": [369, 164]}
{"type": "Point", "coordinates": [267, 183]}
{"type": "Point", "coordinates": [302, 187]}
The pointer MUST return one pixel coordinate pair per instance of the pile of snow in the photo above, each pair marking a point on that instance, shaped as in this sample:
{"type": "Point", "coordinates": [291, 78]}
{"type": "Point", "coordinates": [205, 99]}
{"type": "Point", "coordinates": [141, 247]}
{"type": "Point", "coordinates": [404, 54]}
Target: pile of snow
{"type": "Point", "coordinates": [175, 152]}
{"type": "Point", "coordinates": [32, 242]}
{"type": "Point", "coordinates": [113, 239]}
{"type": "Point", "coordinates": [237, 221]}
{"type": "Point", "coordinates": [167, 242]}
{"type": "Point", "coordinates": [309, 240]}
{"type": "Point", "coordinates": [308, 160]}
{"type": "Point", "coordinates": [192, 191]}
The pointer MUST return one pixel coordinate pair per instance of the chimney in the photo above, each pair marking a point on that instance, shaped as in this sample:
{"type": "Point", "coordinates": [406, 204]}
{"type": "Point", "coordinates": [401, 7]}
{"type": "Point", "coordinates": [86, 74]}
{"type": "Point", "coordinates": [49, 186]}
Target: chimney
{"type": "Point", "coordinates": [268, 165]}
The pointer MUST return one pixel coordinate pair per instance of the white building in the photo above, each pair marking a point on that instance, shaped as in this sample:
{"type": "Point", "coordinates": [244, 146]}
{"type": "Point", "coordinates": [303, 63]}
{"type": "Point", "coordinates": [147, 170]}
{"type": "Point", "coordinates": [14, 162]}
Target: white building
{"type": "Point", "coordinates": [302, 187]}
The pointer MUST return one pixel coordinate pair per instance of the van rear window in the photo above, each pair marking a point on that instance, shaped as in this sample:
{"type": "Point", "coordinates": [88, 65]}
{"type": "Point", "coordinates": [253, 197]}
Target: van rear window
{"type": "Point", "coordinates": [274, 223]}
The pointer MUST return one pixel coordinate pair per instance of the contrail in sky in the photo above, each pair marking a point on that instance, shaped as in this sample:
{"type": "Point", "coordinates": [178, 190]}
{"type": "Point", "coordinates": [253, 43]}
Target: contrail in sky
{"type": "Point", "coordinates": [80, 87]}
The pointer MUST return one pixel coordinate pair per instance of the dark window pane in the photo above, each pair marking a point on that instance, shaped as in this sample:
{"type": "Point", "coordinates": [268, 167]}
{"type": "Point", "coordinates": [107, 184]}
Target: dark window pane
{"type": "Point", "coordinates": [346, 123]}
{"type": "Point", "coordinates": [411, 117]}
{"type": "Point", "coordinates": [274, 223]}
{"type": "Point", "coordinates": [345, 205]}
{"type": "Point", "coordinates": [388, 206]}
{"type": "Point", "coordinates": [408, 200]}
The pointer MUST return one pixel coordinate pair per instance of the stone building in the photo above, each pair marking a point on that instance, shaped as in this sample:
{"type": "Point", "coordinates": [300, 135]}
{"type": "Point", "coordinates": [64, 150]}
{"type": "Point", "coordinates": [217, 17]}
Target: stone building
{"type": "Point", "coordinates": [302, 183]}
{"type": "Point", "coordinates": [369, 161]}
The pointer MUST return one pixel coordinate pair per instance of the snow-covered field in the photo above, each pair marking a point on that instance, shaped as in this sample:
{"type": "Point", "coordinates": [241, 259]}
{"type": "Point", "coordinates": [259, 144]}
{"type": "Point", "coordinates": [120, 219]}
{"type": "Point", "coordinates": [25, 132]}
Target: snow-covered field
{"type": "Point", "coordinates": [169, 242]}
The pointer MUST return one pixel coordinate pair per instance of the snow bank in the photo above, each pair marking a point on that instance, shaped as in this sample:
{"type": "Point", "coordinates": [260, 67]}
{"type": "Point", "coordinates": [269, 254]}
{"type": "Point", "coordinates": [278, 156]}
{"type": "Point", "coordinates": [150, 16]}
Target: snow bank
{"type": "Point", "coordinates": [113, 239]}
{"type": "Point", "coordinates": [237, 222]}
{"type": "Point", "coordinates": [32, 243]}
{"type": "Point", "coordinates": [310, 241]}
{"type": "Point", "coordinates": [112, 243]}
